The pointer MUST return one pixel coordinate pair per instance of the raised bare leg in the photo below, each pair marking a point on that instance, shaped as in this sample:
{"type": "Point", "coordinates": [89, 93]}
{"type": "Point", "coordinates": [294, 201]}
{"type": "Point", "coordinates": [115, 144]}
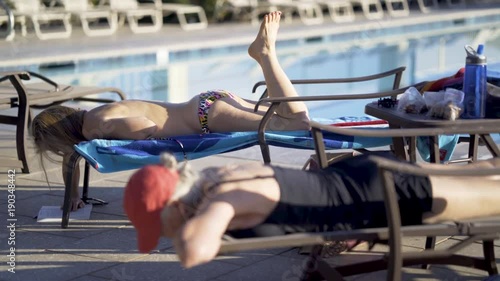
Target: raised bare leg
{"type": "Point", "coordinates": [263, 50]}
{"type": "Point", "coordinates": [289, 116]}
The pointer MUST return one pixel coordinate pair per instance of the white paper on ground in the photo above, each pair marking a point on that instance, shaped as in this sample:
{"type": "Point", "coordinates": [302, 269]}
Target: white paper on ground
{"type": "Point", "coordinates": [54, 214]}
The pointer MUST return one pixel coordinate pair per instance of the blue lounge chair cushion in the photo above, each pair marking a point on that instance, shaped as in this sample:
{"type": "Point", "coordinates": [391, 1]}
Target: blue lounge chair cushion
{"type": "Point", "coordinates": [108, 156]}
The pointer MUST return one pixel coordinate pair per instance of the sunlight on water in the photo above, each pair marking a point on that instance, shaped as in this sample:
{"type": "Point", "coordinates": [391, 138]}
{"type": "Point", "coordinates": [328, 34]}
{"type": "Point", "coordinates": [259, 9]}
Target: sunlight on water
{"type": "Point", "coordinates": [182, 76]}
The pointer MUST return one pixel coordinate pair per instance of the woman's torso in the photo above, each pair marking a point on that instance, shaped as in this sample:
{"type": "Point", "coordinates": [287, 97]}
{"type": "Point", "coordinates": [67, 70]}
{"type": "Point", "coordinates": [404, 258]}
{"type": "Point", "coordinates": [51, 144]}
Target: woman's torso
{"type": "Point", "coordinates": [171, 119]}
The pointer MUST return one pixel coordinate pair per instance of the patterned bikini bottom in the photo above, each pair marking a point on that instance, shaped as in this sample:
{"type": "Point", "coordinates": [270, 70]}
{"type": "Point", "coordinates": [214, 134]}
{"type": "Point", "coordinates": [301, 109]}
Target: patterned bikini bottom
{"type": "Point", "coordinates": [206, 101]}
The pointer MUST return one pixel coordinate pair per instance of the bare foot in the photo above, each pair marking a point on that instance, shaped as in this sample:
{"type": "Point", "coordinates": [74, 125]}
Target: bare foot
{"type": "Point", "coordinates": [265, 42]}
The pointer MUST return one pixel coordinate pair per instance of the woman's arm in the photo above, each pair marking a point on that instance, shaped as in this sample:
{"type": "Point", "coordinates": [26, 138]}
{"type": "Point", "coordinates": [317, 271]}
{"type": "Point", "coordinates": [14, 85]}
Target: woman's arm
{"type": "Point", "coordinates": [230, 206]}
{"type": "Point", "coordinates": [199, 240]}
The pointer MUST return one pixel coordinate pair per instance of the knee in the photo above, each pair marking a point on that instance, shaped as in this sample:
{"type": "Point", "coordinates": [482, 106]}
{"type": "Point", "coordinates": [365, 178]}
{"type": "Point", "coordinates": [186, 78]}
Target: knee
{"type": "Point", "coordinates": [300, 121]}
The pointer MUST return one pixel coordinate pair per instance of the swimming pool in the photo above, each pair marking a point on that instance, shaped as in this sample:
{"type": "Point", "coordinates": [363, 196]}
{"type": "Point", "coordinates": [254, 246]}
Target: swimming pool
{"type": "Point", "coordinates": [176, 76]}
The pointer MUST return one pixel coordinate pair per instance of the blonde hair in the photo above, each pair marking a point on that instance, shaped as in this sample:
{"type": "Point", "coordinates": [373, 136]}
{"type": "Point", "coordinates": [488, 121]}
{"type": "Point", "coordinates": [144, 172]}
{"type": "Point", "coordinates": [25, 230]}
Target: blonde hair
{"type": "Point", "coordinates": [187, 176]}
{"type": "Point", "coordinates": [187, 179]}
{"type": "Point", "coordinates": [57, 129]}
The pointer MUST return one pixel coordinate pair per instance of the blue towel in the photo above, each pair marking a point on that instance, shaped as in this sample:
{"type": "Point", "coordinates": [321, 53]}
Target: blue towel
{"type": "Point", "coordinates": [108, 156]}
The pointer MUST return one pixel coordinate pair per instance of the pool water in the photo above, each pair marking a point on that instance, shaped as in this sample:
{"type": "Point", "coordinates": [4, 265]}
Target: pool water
{"type": "Point", "coordinates": [175, 77]}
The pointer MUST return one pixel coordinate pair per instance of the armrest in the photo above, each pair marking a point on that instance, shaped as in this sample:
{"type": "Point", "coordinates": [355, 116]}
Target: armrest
{"type": "Point", "coordinates": [4, 75]}
{"type": "Point", "coordinates": [330, 97]}
{"type": "Point", "coordinates": [410, 132]}
{"type": "Point", "coordinates": [317, 132]}
{"type": "Point", "coordinates": [275, 102]}
{"type": "Point", "coordinates": [45, 79]}
{"type": "Point", "coordinates": [26, 75]}
{"type": "Point", "coordinates": [397, 79]}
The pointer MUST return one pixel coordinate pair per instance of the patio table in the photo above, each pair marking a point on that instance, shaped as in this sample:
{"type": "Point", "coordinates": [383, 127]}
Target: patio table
{"type": "Point", "coordinates": [398, 119]}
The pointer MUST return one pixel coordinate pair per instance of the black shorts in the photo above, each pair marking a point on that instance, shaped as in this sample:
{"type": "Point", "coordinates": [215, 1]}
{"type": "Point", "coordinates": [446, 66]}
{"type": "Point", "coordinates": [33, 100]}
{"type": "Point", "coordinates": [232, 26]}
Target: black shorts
{"type": "Point", "coordinates": [346, 195]}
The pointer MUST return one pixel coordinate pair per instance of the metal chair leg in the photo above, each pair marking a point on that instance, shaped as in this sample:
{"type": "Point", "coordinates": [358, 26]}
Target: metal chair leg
{"type": "Point", "coordinates": [21, 121]}
{"type": "Point", "coordinates": [85, 192]}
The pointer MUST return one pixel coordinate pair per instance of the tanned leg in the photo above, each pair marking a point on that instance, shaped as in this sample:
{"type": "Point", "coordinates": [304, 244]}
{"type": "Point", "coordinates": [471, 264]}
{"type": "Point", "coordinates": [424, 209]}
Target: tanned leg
{"type": "Point", "coordinates": [289, 116]}
{"type": "Point", "coordinates": [263, 50]}
{"type": "Point", "coordinates": [456, 198]}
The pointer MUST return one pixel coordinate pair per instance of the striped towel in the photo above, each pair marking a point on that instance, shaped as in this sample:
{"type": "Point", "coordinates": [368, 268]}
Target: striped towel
{"type": "Point", "coordinates": [108, 156]}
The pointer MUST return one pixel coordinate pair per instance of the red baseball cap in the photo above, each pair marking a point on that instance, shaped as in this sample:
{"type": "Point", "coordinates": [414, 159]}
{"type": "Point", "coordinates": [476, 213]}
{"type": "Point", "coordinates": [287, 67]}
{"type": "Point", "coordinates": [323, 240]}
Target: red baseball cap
{"type": "Point", "coordinates": [146, 193]}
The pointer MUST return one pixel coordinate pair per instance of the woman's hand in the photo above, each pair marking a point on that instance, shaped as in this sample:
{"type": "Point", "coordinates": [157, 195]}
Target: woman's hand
{"type": "Point", "coordinates": [76, 203]}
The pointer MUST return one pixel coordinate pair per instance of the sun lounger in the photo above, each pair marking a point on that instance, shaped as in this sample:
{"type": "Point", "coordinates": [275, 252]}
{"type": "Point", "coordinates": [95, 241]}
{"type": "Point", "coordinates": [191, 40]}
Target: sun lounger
{"type": "Point", "coordinates": [397, 8]}
{"type": "Point", "coordinates": [190, 17]}
{"type": "Point", "coordinates": [455, 3]}
{"type": "Point", "coordinates": [39, 15]}
{"type": "Point", "coordinates": [372, 9]}
{"type": "Point", "coordinates": [88, 14]}
{"type": "Point", "coordinates": [428, 5]}
{"type": "Point", "coordinates": [309, 11]}
{"type": "Point", "coordinates": [16, 94]}
{"type": "Point", "coordinates": [116, 155]}
{"type": "Point", "coordinates": [241, 10]}
{"type": "Point", "coordinates": [108, 156]}
{"type": "Point", "coordinates": [339, 10]}
{"type": "Point", "coordinates": [7, 18]}
{"type": "Point", "coordinates": [135, 12]}
{"type": "Point", "coordinates": [485, 229]}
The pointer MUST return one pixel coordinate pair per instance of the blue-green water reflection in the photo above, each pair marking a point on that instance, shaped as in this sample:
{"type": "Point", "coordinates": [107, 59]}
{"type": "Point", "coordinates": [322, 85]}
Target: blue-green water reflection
{"type": "Point", "coordinates": [176, 77]}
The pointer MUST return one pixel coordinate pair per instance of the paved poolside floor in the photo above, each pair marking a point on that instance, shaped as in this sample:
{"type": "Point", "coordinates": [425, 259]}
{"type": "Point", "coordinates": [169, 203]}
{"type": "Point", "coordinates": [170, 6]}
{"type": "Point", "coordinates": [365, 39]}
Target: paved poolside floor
{"type": "Point", "coordinates": [104, 247]}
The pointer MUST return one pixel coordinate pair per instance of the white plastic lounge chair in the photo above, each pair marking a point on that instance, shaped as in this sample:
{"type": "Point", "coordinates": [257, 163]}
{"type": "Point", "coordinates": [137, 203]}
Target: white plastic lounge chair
{"type": "Point", "coordinates": [455, 3]}
{"type": "Point", "coordinates": [339, 10]}
{"type": "Point", "coordinates": [88, 14]}
{"type": "Point", "coordinates": [427, 5]}
{"type": "Point", "coordinates": [39, 15]}
{"type": "Point", "coordinates": [309, 11]}
{"type": "Point", "coordinates": [372, 9]}
{"type": "Point", "coordinates": [242, 10]}
{"type": "Point", "coordinates": [134, 12]}
{"type": "Point", "coordinates": [397, 8]}
{"type": "Point", "coordinates": [7, 18]}
{"type": "Point", "coordinates": [236, 10]}
{"type": "Point", "coordinates": [185, 13]}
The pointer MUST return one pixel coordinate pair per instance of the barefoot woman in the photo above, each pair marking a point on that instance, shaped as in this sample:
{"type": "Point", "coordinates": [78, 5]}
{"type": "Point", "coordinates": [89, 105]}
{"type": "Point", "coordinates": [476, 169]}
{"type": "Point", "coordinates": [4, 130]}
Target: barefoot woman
{"type": "Point", "coordinates": [57, 129]}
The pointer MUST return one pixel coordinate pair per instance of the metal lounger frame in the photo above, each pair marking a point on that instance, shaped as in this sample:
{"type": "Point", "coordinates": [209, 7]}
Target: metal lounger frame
{"type": "Point", "coordinates": [485, 230]}
{"type": "Point", "coordinates": [50, 93]}
{"type": "Point", "coordinates": [182, 10]}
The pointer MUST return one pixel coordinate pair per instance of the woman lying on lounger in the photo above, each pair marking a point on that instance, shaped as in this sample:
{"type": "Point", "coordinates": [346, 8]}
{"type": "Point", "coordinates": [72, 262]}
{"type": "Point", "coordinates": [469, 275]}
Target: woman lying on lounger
{"type": "Point", "coordinates": [59, 128]}
{"type": "Point", "coordinates": [262, 200]}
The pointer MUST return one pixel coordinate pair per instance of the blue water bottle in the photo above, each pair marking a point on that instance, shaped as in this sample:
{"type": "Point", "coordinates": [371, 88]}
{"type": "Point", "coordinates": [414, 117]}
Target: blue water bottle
{"type": "Point", "coordinates": [474, 83]}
